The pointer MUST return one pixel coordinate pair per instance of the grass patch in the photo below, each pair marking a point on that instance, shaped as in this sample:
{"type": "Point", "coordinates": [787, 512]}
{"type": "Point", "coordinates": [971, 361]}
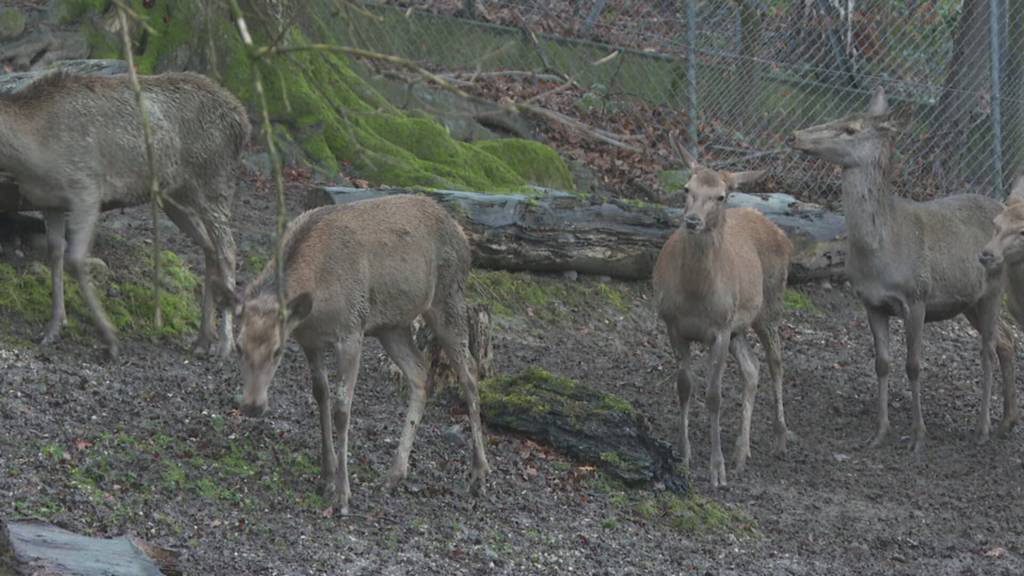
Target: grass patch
{"type": "Point", "coordinates": [798, 301]}
{"type": "Point", "coordinates": [128, 301]}
{"type": "Point", "coordinates": [511, 294]}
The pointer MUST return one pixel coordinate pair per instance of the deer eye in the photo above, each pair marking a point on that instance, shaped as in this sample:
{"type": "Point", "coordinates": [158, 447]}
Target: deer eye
{"type": "Point", "coordinates": [850, 129]}
{"type": "Point", "coordinates": [721, 198]}
{"type": "Point", "coordinates": [1022, 232]}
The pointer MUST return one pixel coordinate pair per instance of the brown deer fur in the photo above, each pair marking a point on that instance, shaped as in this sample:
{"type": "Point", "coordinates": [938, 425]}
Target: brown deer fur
{"type": "Point", "coordinates": [366, 268]}
{"type": "Point", "coordinates": [75, 146]}
{"type": "Point", "coordinates": [722, 272]}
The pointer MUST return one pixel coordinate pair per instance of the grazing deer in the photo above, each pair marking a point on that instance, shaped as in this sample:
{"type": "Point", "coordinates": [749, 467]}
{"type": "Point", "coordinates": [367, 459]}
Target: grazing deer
{"type": "Point", "coordinates": [366, 268]}
{"type": "Point", "coordinates": [722, 272]}
{"type": "Point", "coordinates": [916, 260]}
{"type": "Point", "coordinates": [1005, 251]}
{"type": "Point", "coordinates": [75, 146]}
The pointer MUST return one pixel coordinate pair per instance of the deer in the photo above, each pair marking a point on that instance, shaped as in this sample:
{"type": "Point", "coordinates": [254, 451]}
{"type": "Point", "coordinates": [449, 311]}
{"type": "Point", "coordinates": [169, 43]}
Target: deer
{"type": "Point", "coordinates": [718, 275]}
{"type": "Point", "coordinates": [368, 268]}
{"type": "Point", "coordinates": [75, 146]}
{"type": "Point", "coordinates": [914, 260]}
{"type": "Point", "coordinates": [1005, 250]}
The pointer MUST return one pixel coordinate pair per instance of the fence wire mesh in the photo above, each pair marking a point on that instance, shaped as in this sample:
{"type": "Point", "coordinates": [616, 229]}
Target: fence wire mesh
{"type": "Point", "coordinates": [763, 68]}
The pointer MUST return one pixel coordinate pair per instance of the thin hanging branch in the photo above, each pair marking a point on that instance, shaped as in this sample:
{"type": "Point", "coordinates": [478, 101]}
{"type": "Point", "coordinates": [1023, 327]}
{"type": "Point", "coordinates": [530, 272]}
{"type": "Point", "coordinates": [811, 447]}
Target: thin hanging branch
{"type": "Point", "coordinates": [147, 132]}
{"type": "Point", "coordinates": [255, 55]}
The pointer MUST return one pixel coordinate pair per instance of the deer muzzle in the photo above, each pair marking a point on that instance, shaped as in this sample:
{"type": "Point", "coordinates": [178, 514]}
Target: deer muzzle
{"type": "Point", "coordinates": [988, 259]}
{"type": "Point", "coordinates": [693, 223]}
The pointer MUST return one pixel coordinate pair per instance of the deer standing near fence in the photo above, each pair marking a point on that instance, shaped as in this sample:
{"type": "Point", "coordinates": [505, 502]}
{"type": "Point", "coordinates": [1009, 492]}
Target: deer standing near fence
{"type": "Point", "coordinates": [1005, 251]}
{"type": "Point", "coordinates": [75, 146]}
{"type": "Point", "coordinates": [722, 272]}
{"type": "Point", "coordinates": [366, 268]}
{"type": "Point", "coordinates": [915, 260]}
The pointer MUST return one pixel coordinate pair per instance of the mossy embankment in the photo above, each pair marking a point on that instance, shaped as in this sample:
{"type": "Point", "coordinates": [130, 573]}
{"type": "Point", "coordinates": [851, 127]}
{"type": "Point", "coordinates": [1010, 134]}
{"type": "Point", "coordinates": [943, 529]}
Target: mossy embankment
{"type": "Point", "coordinates": [321, 108]}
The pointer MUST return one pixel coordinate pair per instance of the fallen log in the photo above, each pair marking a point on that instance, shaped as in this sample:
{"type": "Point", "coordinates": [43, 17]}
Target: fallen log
{"type": "Point", "coordinates": [557, 232]}
{"type": "Point", "coordinates": [589, 426]}
{"type": "Point", "coordinates": [33, 547]}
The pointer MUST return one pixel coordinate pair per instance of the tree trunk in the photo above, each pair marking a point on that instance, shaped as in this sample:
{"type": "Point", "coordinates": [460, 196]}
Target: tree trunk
{"type": "Point", "coordinates": [1013, 97]}
{"type": "Point", "coordinates": [560, 232]}
{"type": "Point", "coordinates": [967, 76]}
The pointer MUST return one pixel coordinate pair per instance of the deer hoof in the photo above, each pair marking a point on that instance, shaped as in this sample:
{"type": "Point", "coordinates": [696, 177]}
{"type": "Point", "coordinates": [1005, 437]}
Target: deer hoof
{"type": "Point", "coordinates": [981, 437]}
{"type": "Point", "coordinates": [880, 438]}
{"type": "Point", "coordinates": [718, 473]}
{"type": "Point", "coordinates": [477, 486]}
{"type": "Point", "coordinates": [113, 351]}
{"type": "Point", "coordinates": [395, 477]}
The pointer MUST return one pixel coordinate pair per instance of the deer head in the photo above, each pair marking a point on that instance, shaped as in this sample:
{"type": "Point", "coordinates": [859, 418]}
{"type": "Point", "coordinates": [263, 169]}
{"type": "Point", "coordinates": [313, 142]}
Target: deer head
{"type": "Point", "coordinates": [856, 140]}
{"type": "Point", "coordinates": [707, 190]}
{"type": "Point", "coordinates": [261, 342]}
{"type": "Point", "coordinates": [1007, 244]}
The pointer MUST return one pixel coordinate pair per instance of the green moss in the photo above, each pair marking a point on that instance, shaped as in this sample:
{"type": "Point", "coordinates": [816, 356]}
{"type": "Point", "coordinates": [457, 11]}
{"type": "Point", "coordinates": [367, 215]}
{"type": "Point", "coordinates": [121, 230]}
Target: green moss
{"type": "Point", "coordinates": [698, 515]}
{"type": "Point", "coordinates": [12, 22]}
{"type": "Point", "coordinates": [69, 11]}
{"type": "Point", "coordinates": [798, 301]}
{"type": "Point", "coordinates": [511, 294]}
{"type": "Point", "coordinates": [617, 404]}
{"type": "Point", "coordinates": [28, 294]}
{"type": "Point", "coordinates": [532, 161]}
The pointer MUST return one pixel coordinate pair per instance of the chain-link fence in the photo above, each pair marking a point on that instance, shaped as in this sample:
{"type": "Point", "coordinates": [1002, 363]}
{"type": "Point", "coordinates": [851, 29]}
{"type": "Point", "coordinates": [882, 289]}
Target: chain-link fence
{"type": "Point", "coordinates": [953, 69]}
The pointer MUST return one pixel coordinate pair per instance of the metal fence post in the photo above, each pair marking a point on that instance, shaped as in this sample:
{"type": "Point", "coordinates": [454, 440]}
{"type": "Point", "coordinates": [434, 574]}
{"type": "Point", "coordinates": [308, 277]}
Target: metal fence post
{"type": "Point", "coordinates": [692, 113]}
{"type": "Point", "coordinates": [997, 116]}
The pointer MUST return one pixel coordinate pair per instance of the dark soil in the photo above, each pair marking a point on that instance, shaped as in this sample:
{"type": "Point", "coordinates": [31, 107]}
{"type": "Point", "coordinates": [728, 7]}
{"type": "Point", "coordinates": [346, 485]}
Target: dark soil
{"type": "Point", "coordinates": [152, 444]}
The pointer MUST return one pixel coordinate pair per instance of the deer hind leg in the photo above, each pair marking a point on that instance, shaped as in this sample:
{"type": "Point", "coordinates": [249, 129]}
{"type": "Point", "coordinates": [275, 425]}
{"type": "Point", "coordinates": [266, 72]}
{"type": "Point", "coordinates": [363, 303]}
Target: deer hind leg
{"type": "Point", "coordinates": [984, 318]}
{"type": "Point", "coordinates": [190, 223]}
{"type": "Point", "coordinates": [349, 351]}
{"type": "Point", "coordinates": [914, 324]}
{"type": "Point", "coordinates": [450, 328]}
{"type": "Point", "coordinates": [719, 352]}
{"type": "Point", "coordinates": [1006, 351]}
{"type": "Point", "coordinates": [684, 391]}
{"type": "Point", "coordinates": [768, 334]}
{"type": "Point", "coordinates": [82, 224]}
{"type": "Point", "coordinates": [879, 322]}
{"type": "Point", "coordinates": [399, 345]}
{"type": "Point", "coordinates": [216, 222]}
{"type": "Point", "coordinates": [55, 245]}
{"type": "Point", "coordinates": [740, 349]}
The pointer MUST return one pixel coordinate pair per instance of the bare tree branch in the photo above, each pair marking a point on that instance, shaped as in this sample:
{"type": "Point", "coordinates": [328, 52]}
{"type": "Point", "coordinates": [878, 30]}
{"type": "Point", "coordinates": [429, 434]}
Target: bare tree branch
{"type": "Point", "coordinates": [147, 132]}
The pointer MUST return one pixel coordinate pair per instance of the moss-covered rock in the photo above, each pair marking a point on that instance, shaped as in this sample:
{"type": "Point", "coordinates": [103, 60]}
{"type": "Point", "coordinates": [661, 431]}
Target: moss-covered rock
{"type": "Point", "coordinates": [534, 162]}
{"type": "Point", "coordinates": [318, 101]}
{"type": "Point", "coordinates": [591, 426]}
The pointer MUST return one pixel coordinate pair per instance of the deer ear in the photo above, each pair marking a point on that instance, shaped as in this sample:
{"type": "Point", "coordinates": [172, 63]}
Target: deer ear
{"type": "Point", "coordinates": [879, 103]}
{"type": "Point", "coordinates": [299, 307]}
{"type": "Point", "coordinates": [736, 179]}
{"type": "Point", "coordinates": [691, 162]}
{"type": "Point", "coordinates": [1017, 192]}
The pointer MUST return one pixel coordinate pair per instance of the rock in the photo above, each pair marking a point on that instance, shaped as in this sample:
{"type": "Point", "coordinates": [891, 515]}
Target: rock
{"type": "Point", "coordinates": [12, 23]}
{"type": "Point", "coordinates": [98, 270]}
{"type": "Point", "coordinates": [587, 425]}
{"type": "Point", "coordinates": [36, 547]}
{"type": "Point", "coordinates": [570, 275]}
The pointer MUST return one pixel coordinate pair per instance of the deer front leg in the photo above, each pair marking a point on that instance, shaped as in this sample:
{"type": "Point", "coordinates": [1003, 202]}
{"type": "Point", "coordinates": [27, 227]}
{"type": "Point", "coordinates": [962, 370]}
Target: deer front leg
{"type": "Point", "coordinates": [744, 356]}
{"type": "Point", "coordinates": [879, 323]}
{"type": "Point", "coordinates": [713, 400]}
{"type": "Point", "coordinates": [55, 245]}
{"type": "Point", "coordinates": [348, 362]}
{"type": "Point", "coordinates": [684, 391]}
{"type": "Point", "coordinates": [322, 394]}
{"type": "Point", "coordinates": [1006, 351]}
{"type": "Point", "coordinates": [915, 336]}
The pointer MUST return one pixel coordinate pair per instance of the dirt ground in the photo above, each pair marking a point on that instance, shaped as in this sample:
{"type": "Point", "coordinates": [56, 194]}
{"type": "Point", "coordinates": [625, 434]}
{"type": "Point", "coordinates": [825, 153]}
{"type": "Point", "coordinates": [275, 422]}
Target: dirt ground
{"type": "Point", "coordinates": [151, 445]}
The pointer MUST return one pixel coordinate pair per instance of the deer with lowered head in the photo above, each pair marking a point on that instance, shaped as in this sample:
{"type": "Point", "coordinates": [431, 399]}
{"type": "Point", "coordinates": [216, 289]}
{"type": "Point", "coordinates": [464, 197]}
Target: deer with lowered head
{"type": "Point", "coordinates": [721, 273]}
{"type": "Point", "coordinates": [915, 260]}
{"type": "Point", "coordinates": [366, 268]}
{"type": "Point", "coordinates": [75, 146]}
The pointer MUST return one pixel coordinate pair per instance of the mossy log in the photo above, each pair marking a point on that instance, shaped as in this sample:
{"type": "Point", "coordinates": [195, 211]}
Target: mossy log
{"type": "Point", "coordinates": [556, 232]}
{"type": "Point", "coordinates": [35, 547]}
{"type": "Point", "coordinates": [587, 425]}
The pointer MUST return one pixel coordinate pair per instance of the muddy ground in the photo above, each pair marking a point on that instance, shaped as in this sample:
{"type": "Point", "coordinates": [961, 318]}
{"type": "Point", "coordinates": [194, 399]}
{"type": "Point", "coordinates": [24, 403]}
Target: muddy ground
{"type": "Point", "coordinates": [151, 444]}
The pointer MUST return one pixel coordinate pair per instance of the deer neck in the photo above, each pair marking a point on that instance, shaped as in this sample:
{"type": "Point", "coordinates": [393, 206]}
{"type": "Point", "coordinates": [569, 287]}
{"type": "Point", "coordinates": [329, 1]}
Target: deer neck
{"type": "Point", "coordinates": [702, 262]}
{"type": "Point", "coordinates": [869, 205]}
